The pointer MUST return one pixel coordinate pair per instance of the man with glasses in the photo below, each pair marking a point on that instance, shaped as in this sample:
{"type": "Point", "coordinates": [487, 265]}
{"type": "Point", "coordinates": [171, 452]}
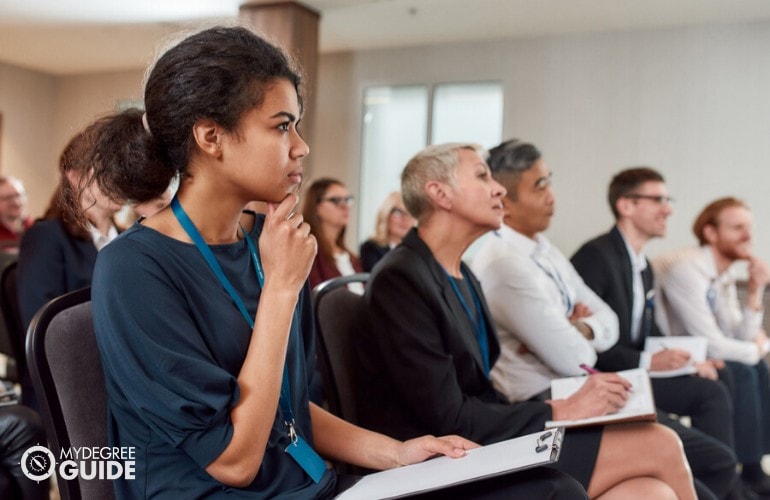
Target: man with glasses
{"type": "Point", "coordinates": [698, 296]}
{"type": "Point", "coordinates": [550, 323]}
{"type": "Point", "coordinates": [13, 213]}
{"type": "Point", "coordinates": [615, 267]}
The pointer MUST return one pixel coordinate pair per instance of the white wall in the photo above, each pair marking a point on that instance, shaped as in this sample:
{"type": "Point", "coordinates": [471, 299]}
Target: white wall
{"type": "Point", "coordinates": [691, 102]}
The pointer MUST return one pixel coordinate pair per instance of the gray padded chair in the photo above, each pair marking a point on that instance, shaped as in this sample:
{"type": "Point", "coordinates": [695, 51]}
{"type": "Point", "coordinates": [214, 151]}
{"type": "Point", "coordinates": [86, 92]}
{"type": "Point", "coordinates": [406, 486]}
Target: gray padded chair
{"type": "Point", "coordinates": [340, 316]}
{"type": "Point", "coordinates": [67, 375]}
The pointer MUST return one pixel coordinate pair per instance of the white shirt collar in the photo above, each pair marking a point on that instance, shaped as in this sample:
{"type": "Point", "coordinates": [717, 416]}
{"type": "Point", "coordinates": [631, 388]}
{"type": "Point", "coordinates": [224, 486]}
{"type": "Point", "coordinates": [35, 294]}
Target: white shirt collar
{"type": "Point", "coordinates": [100, 240]}
{"type": "Point", "coordinates": [526, 245]}
{"type": "Point", "coordinates": [710, 266]}
{"type": "Point", "coordinates": [638, 260]}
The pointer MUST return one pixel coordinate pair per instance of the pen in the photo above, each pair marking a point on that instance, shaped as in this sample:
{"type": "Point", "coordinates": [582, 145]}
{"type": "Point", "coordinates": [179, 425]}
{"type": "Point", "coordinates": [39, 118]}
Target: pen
{"type": "Point", "coordinates": [590, 370]}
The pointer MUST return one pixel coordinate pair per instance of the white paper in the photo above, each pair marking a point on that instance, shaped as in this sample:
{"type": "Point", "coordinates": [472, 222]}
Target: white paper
{"type": "Point", "coordinates": [499, 458]}
{"type": "Point", "coordinates": [696, 346]}
{"type": "Point", "coordinates": [639, 403]}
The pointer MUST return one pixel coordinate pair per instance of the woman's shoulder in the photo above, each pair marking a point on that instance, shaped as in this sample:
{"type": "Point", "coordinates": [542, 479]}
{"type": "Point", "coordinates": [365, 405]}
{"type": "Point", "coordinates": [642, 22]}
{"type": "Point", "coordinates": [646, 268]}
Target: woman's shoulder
{"type": "Point", "coordinates": [44, 234]}
{"type": "Point", "coordinates": [45, 226]}
{"type": "Point", "coordinates": [136, 243]}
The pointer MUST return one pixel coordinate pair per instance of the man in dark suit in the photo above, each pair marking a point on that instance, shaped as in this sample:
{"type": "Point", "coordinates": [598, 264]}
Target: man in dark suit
{"type": "Point", "coordinates": [614, 266]}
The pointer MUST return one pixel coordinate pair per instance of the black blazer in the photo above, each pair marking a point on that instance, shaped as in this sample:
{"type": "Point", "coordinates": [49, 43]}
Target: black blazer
{"type": "Point", "coordinates": [51, 263]}
{"type": "Point", "coordinates": [421, 367]}
{"type": "Point", "coordinates": [604, 265]}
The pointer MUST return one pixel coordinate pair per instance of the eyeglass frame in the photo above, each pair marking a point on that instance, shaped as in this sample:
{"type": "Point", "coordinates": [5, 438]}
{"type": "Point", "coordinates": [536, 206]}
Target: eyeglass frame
{"type": "Point", "coordinates": [339, 201]}
{"type": "Point", "coordinates": [659, 199]}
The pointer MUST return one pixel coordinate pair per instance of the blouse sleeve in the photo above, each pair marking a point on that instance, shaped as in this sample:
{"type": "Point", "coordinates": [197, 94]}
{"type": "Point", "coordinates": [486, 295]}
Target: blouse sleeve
{"type": "Point", "coordinates": [156, 362]}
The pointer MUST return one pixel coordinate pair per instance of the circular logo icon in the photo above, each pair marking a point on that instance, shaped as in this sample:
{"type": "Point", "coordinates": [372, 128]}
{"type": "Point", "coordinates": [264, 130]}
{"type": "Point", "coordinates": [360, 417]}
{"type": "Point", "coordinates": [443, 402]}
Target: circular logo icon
{"type": "Point", "coordinates": [37, 463]}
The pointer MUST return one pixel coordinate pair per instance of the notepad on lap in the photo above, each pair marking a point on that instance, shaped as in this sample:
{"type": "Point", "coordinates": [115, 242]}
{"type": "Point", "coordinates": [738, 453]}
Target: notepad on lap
{"type": "Point", "coordinates": [639, 407]}
{"type": "Point", "coordinates": [696, 346]}
{"type": "Point", "coordinates": [520, 453]}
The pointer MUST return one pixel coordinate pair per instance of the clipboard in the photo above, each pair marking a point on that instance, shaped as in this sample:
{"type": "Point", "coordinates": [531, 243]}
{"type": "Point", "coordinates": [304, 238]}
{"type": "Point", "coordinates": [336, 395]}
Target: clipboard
{"type": "Point", "coordinates": [521, 453]}
{"type": "Point", "coordinates": [640, 406]}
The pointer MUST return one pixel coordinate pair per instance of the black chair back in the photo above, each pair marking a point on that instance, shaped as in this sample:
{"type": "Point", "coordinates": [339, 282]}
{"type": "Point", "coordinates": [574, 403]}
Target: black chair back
{"type": "Point", "coordinates": [9, 305]}
{"type": "Point", "coordinates": [340, 316]}
{"type": "Point", "coordinates": [67, 375]}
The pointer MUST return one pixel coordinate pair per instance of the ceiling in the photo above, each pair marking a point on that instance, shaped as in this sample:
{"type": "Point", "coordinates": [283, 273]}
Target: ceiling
{"type": "Point", "coordinates": [65, 37]}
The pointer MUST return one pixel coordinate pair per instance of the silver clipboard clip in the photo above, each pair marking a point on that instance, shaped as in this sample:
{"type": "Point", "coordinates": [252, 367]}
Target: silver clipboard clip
{"type": "Point", "coordinates": [550, 439]}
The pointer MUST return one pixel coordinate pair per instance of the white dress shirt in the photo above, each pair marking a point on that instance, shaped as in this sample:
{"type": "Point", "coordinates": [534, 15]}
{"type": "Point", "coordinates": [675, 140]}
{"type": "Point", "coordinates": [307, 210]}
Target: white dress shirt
{"type": "Point", "coordinates": [694, 300]}
{"type": "Point", "coordinates": [532, 289]}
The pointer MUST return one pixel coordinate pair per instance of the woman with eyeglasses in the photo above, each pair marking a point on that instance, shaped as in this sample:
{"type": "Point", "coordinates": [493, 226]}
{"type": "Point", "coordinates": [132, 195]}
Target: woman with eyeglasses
{"type": "Point", "coordinates": [327, 210]}
{"type": "Point", "coordinates": [393, 222]}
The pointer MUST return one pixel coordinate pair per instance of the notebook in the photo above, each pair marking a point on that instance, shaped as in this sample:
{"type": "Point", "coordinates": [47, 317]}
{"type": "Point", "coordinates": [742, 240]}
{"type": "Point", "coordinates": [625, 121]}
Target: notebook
{"type": "Point", "coordinates": [515, 454]}
{"type": "Point", "coordinates": [640, 406]}
{"type": "Point", "coordinates": [696, 346]}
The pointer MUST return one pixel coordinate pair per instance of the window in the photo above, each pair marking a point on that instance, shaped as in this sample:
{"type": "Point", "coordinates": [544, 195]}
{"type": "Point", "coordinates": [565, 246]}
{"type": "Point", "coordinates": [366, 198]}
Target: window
{"type": "Point", "coordinates": [401, 120]}
{"type": "Point", "coordinates": [468, 112]}
{"type": "Point", "coordinates": [395, 127]}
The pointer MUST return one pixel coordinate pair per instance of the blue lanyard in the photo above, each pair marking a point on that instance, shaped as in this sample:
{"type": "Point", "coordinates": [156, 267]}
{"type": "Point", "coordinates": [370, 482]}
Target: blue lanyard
{"type": "Point", "coordinates": [285, 400]}
{"type": "Point", "coordinates": [711, 296]}
{"type": "Point", "coordinates": [479, 323]}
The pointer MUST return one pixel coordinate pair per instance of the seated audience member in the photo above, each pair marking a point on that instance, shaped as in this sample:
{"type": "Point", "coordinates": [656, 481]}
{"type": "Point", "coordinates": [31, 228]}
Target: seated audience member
{"type": "Point", "coordinates": [327, 209]}
{"type": "Point", "coordinates": [550, 323]}
{"type": "Point", "coordinates": [20, 429]}
{"type": "Point", "coordinates": [393, 222]}
{"type": "Point", "coordinates": [697, 296]}
{"type": "Point", "coordinates": [432, 344]}
{"type": "Point", "coordinates": [14, 219]}
{"type": "Point", "coordinates": [195, 339]}
{"type": "Point", "coordinates": [58, 253]}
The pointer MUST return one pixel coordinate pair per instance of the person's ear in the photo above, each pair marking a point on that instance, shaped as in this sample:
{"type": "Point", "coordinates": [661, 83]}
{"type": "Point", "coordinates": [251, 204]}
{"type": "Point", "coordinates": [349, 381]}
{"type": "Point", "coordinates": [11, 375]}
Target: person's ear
{"type": "Point", "coordinates": [624, 206]}
{"type": "Point", "coordinates": [710, 233]}
{"type": "Point", "coordinates": [73, 178]}
{"type": "Point", "coordinates": [208, 137]}
{"type": "Point", "coordinates": [439, 194]}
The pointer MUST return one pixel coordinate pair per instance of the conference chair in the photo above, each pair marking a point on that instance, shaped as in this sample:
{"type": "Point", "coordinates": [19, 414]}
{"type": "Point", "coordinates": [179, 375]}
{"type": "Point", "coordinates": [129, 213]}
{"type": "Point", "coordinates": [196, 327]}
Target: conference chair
{"type": "Point", "coordinates": [340, 315]}
{"type": "Point", "coordinates": [67, 376]}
